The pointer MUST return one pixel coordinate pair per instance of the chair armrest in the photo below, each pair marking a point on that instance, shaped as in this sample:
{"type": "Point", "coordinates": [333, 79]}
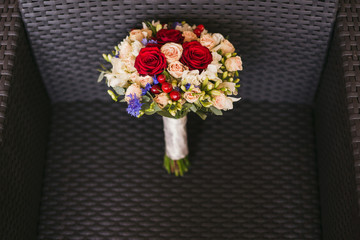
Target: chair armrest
{"type": "Point", "coordinates": [337, 122]}
{"type": "Point", "coordinates": [24, 125]}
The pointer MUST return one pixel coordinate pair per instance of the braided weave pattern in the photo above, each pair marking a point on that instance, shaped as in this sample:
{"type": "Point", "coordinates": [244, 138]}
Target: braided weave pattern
{"type": "Point", "coordinates": [104, 178]}
{"type": "Point", "coordinates": [283, 42]}
{"type": "Point", "coordinates": [9, 24]}
{"type": "Point", "coordinates": [337, 127]}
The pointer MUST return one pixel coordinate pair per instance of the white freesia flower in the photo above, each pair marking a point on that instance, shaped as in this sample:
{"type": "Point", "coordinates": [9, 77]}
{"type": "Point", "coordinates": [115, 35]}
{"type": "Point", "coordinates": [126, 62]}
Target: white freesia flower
{"type": "Point", "coordinates": [230, 86]}
{"type": "Point", "coordinates": [136, 47]}
{"type": "Point", "coordinates": [210, 73]}
{"type": "Point", "coordinates": [117, 79]}
{"type": "Point", "coordinates": [191, 77]}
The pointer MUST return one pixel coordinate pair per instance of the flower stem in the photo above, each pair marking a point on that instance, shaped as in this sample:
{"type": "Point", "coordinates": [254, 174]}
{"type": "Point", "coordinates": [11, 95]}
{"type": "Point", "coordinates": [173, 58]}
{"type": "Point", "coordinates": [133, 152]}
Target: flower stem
{"type": "Point", "coordinates": [176, 167]}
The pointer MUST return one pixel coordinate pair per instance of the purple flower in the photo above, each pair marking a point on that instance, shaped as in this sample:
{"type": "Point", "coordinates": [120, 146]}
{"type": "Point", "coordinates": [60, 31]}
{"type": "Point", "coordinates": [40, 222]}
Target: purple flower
{"type": "Point", "coordinates": [155, 79]}
{"type": "Point", "coordinates": [187, 86]}
{"type": "Point", "coordinates": [146, 89]}
{"type": "Point", "coordinates": [145, 41]}
{"type": "Point", "coordinates": [134, 105]}
{"type": "Point", "coordinates": [175, 24]}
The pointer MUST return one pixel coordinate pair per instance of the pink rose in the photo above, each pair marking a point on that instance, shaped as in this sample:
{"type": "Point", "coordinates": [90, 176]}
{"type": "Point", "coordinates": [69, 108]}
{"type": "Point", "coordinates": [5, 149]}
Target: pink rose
{"type": "Point", "coordinates": [129, 63]}
{"type": "Point", "coordinates": [146, 33]}
{"type": "Point", "coordinates": [233, 64]}
{"type": "Point", "coordinates": [222, 102]}
{"type": "Point", "coordinates": [207, 41]}
{"type": "Point", "coordinates": [172, 51]}
{"type": "Point", "coordinates": [193, 95]}
{"type": "Point", "coordinates": [133, 89]}
{"type": "Point", "coordinates": [226, 47]}
{"type": "Point", "coordinates": [189, 36]}
{"type": "Point", "coordinates": [162, 99]}
{"type": "Point", "coordinates": [176, 69]}
{"type": "Point", "coordinates": [136, 34]}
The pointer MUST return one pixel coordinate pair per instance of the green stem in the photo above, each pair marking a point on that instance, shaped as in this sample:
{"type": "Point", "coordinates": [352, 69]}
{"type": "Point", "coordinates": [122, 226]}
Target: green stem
{"type": "Point", "coordinates": [177, 167]}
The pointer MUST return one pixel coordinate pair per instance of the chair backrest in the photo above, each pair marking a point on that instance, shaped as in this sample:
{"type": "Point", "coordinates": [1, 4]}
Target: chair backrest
{"type": "Point", "coordinates": [283, 43]}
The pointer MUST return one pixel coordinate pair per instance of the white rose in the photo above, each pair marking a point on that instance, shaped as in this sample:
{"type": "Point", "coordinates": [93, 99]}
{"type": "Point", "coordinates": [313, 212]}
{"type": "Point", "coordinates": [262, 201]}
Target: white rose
{"type": "Point", "coordinates": [191, 77]}
{"type": "Point", "coordinates": [222, 102]}
{"type": "Point", "coordinates": [133, 89]}
{"type": "Point", "coordinates": [172, 51]}
{"type": "Point", "coordinates": [218, 38]}
{"type": "Point", "coordinates": [176, 69]}
{"type": "Point", "coordinates": [234, 64]}
{"type": "Point", "coordinates": [193, 95]}
{"type": "Point", "coordinates": [207, 41]}
{"type": "Point", "coordinates": [162, 99]}
{"type": "Point", "coordinates": [210, 73]}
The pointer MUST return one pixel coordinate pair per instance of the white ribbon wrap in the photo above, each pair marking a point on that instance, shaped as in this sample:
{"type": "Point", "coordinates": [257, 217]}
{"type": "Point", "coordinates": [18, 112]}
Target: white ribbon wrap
{"type": "Point", "coordinates": [176, 146]}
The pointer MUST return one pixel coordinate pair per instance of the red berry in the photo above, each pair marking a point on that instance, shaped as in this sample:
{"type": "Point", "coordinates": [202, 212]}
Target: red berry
{"type": "Point", "coordinates": [166, 87]}
{"type": "Point", "coordinates": [197, 32]}
{"type": "Point", "coordinates": [161, 78]}
{"type": "Point", "coordinates": [155, 89]}
{"type": "Point", "coordinates": [175, 95]}
{"type": "Point", "coordinates": [201, 27]}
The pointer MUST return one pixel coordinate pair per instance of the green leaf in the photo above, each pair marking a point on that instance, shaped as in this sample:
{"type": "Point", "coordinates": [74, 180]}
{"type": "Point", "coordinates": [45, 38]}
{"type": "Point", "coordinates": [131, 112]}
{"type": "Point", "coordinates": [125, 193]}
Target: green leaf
{"type": "Point", "coordinates": [101, 77]}
{"type": "Point", "coordinates": [145, 98]}
{"type": "Point", "coordinates": [119, 90]}
{"type": "Point", "coordinates": [165, 113]}
{"type": "Point", "coordinates": [193, 108]}
{"type": "Point", "coordinates": [216, 111]}
{"type": "Point", "coordinates": [157, 108]}
{"type": "Point", "coordinates": [201, 114]}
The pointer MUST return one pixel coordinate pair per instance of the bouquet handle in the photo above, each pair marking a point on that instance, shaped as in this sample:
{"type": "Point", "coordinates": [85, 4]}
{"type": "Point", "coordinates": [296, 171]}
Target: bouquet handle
{"type": "Point", "coordinates": [176, 146]}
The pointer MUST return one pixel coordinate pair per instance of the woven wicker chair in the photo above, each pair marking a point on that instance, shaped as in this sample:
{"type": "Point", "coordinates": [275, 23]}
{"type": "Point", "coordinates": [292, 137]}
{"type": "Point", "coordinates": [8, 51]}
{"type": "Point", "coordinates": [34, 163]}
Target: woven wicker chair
{"type": "Point", "coordinates": [284, 164]}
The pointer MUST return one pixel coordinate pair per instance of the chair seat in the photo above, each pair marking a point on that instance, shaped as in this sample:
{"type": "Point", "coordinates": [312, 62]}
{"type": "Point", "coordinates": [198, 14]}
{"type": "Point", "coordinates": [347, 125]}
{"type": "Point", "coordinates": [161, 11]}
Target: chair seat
{"type": "Point", "coordinates": [253, 176]}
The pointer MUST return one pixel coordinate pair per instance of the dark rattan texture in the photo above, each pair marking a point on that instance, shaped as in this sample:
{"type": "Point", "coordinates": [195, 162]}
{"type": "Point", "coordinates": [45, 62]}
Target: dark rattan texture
{"type": "Point", "coordinates": [26, 127]}
{"type": "Point", "coordinates": [337, 118]}
{"type": "Point", "coordinates": [253, 176]}
{"type": "Point", "coordinates": [282, 42]}
{"type": "Point", "coordinates": [9, 24]}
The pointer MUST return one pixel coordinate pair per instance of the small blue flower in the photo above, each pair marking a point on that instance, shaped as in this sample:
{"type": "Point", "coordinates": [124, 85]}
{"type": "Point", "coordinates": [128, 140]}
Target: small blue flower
{"type": "Point", "coordinates": [144, 41]}
{"type": "Point", "coordinates": [146, 89]}
{"type": "Point", "coordinates": [134, 105]}
{"type": "Point", "coordinates": [117, 56]}
{"type": "Point", "coordinates": [155, 79]}
{"type": "Point", "coordinates": [175, 24]}
{"type": "Point", "coordinates": [152, 41]}
{"type": "Point", "coordinates": [187, 86]}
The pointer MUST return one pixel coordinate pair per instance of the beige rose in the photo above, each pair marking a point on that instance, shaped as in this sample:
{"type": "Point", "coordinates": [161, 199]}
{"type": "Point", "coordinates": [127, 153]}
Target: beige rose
{"type": "Point", "coordinates": [172, 51]}
{"type": "Point", "coordinates": [162, 99]}
{"type": "Point", "coordinates": [176, 69]}
{"type": "Point", "coordinates": [207, 41]}
{"type": "Point", "coordinates": [222, 102]}
{"type": "Point", "coordinates": [129, 63]}
{"type": "Point", "coordinates": [147, 33]}
{"type": "Point", "coordinates": [189, 36]}
{"type": "Point", "coordinates": [133, 89]}
{"type": "Point", "coordinates": [136, 34]}
{"type": "Point", "coordinates": [227, 47]}
{"type": "Point", "coordinates": [142, 81]}
{"type": "Point", "coordinates": [193, 95]}
{"type": "Point", "coordinates": [234, 64]}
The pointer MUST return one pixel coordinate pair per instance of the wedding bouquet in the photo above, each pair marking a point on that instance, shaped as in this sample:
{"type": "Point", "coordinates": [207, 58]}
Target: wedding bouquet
{"type": "Point", "coordinates": [172, 69]}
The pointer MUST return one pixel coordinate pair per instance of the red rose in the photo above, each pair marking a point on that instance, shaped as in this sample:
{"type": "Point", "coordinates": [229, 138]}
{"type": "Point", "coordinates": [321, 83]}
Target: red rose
{"type": "Point", "coordinates": [150, 61]}
{"type": "Point", "coordinates": [169, 35]}
{"type": "Point", "coordinates": [195, 56]}
{"type": "Point", "coordinates": [153, 45]}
